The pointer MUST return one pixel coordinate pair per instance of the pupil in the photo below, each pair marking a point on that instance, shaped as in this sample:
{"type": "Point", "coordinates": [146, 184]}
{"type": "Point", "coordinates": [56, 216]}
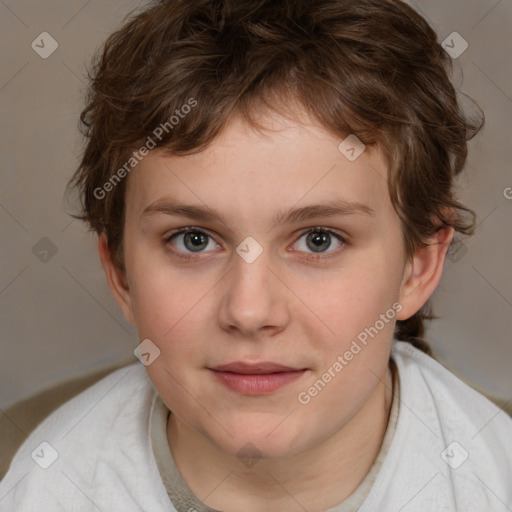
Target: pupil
{"type": "Point", "coordinates": [198, 241]}
{"type": "Point", "coordinates": [320, 241]}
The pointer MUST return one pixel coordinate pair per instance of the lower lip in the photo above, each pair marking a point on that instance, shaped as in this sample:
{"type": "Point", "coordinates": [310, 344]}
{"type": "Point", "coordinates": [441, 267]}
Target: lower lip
{"type": "Point", "coordinates": [257, 384]}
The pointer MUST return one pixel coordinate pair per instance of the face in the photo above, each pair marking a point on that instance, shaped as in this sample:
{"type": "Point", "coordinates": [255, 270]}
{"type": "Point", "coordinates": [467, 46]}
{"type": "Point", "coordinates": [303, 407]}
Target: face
{"type": "Point", "coordinates": [267, 247]}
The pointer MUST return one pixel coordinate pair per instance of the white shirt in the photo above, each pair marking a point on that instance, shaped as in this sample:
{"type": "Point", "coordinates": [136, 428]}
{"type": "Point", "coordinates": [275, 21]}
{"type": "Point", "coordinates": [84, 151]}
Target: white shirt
{"type": "Point", "coordinates": [451, 449]}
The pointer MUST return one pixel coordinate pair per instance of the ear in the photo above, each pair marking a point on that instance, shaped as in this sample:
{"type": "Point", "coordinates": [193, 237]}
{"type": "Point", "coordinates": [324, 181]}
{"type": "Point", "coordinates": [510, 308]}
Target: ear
{"type": "Point", "coordinates": [423, 272]}
{"type": "Point", "coordinates": [116, 279]}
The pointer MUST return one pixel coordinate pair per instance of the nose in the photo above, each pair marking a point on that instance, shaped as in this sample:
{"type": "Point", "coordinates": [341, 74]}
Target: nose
{"type": "Point", "coordinates": [253, 300]}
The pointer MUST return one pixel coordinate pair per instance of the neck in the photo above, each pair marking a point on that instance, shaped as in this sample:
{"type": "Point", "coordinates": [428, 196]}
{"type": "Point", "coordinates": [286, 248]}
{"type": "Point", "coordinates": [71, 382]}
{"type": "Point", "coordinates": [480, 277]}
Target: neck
{"type": "Point", "coordinates": [318, 478]}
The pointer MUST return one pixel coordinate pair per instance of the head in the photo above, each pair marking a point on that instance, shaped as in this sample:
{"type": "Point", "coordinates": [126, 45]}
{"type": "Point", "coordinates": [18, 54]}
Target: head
{"type": "Point", "coordinates": [241, 108]}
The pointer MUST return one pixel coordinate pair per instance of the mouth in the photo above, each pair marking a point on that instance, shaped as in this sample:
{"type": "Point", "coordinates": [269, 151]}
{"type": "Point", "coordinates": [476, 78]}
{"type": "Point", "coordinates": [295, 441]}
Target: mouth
{"type": "Point", "coordinates": [256, 379]}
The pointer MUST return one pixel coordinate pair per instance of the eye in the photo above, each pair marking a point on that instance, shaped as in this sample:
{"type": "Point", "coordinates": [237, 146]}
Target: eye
{"type": "Point", "coordinates": [315, 241]}
{"type": "Point", "coordinates": [318, 240]}
{"type": "Point", "coordinates": [191, 240]}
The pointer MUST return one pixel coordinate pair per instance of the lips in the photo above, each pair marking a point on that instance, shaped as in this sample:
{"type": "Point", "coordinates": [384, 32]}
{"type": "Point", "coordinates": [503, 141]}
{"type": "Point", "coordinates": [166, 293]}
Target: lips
{"type": "Point", "coordinates": [256, 379]}
{"type": "Point", "coordinates": [263, 368]}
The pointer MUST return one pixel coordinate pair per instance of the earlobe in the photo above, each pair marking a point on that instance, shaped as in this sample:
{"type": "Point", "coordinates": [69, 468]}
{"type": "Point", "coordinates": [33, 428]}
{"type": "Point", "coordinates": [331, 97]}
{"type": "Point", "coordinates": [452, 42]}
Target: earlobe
{"type": "Point", "coordinates": [423, 273]}
{"type": "Point", "coordinates": [116, 279]}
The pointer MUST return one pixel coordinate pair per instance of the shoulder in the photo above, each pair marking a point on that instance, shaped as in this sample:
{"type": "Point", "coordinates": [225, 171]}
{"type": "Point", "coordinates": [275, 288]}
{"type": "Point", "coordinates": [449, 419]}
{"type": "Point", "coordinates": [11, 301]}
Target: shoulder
{"type": "Point", "coordinates": [451, 396]}
{"type": "Point", "coordinates": [450, 441]}
{"type": "Point", "coordinates": [119, 394]}
{"type": "Point", "coordinates": [87, 447]}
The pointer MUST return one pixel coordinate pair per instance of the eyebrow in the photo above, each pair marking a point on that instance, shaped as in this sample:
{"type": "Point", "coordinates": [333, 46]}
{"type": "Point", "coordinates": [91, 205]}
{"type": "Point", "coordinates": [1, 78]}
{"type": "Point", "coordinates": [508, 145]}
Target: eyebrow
{"type": "Point", "coordinates": [203, 214]}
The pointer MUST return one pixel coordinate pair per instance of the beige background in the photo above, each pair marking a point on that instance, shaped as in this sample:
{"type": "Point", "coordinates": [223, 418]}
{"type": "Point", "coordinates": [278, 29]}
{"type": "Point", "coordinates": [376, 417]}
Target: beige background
{"type": "Point", "coordinates": [57, 317]}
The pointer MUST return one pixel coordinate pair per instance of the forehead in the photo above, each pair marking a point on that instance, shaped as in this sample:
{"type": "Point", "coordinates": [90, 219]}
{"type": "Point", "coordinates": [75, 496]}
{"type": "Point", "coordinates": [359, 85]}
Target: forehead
{"type": "Point", "coordinates": [252, 173]}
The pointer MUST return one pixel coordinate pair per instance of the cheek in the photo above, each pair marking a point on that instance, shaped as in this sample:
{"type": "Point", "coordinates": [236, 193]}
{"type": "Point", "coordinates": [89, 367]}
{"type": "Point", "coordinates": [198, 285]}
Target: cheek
{"type": "Point", "coordinates": [165, 297]}
{"type": "Point", "coordinates": [359, 305]}
{"type": "Point", "coordinates": [171, 309]}
{"type": "Point", "coordinates": [165, 305]}
{"type": "Point", "coordinates": [360, 308]}
{"type": "Point", "coordinates": [355, 296]}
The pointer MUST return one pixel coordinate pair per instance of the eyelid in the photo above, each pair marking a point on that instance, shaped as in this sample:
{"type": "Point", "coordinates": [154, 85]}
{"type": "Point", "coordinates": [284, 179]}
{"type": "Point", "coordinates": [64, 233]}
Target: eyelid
{"type": "Point", "coordinates": [186, 229]}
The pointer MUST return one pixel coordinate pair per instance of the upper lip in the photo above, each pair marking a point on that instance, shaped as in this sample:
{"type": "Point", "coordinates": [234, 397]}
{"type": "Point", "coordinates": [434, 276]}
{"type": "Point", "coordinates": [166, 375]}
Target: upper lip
{"type": "Point", "coordinates": [256, 368]}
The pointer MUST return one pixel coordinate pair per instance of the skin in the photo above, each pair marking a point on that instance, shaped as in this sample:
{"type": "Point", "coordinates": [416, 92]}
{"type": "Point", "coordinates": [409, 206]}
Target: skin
{"type": "Point", "coordinates": [285, 307]}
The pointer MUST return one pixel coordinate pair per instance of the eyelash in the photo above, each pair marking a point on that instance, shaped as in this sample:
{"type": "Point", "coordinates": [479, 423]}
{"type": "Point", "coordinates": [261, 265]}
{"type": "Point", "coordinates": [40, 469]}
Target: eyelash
{"type": "Point", "coordinates": [317, 257]}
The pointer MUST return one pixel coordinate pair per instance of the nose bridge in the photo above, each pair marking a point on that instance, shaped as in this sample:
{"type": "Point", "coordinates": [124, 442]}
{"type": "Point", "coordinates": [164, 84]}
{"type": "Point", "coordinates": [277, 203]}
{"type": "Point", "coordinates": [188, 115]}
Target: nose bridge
{"type": "Point", "coordinates": [251, 262]}
{"type": "Point", "coordinates": [250, 276]}
{"type": "Point", "coordinates": [251, 297]}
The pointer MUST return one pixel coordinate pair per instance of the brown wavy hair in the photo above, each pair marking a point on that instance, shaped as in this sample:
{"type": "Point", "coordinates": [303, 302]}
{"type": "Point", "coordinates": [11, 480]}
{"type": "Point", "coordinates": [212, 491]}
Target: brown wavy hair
{"type": "Point", "coordinates": [373, 68]}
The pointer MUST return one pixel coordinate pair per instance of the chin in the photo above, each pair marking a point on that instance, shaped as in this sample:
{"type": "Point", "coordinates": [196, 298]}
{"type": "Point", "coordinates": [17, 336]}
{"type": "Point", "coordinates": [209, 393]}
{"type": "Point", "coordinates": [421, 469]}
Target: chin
{"type": "Point", "coordinates": [262, 440]}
